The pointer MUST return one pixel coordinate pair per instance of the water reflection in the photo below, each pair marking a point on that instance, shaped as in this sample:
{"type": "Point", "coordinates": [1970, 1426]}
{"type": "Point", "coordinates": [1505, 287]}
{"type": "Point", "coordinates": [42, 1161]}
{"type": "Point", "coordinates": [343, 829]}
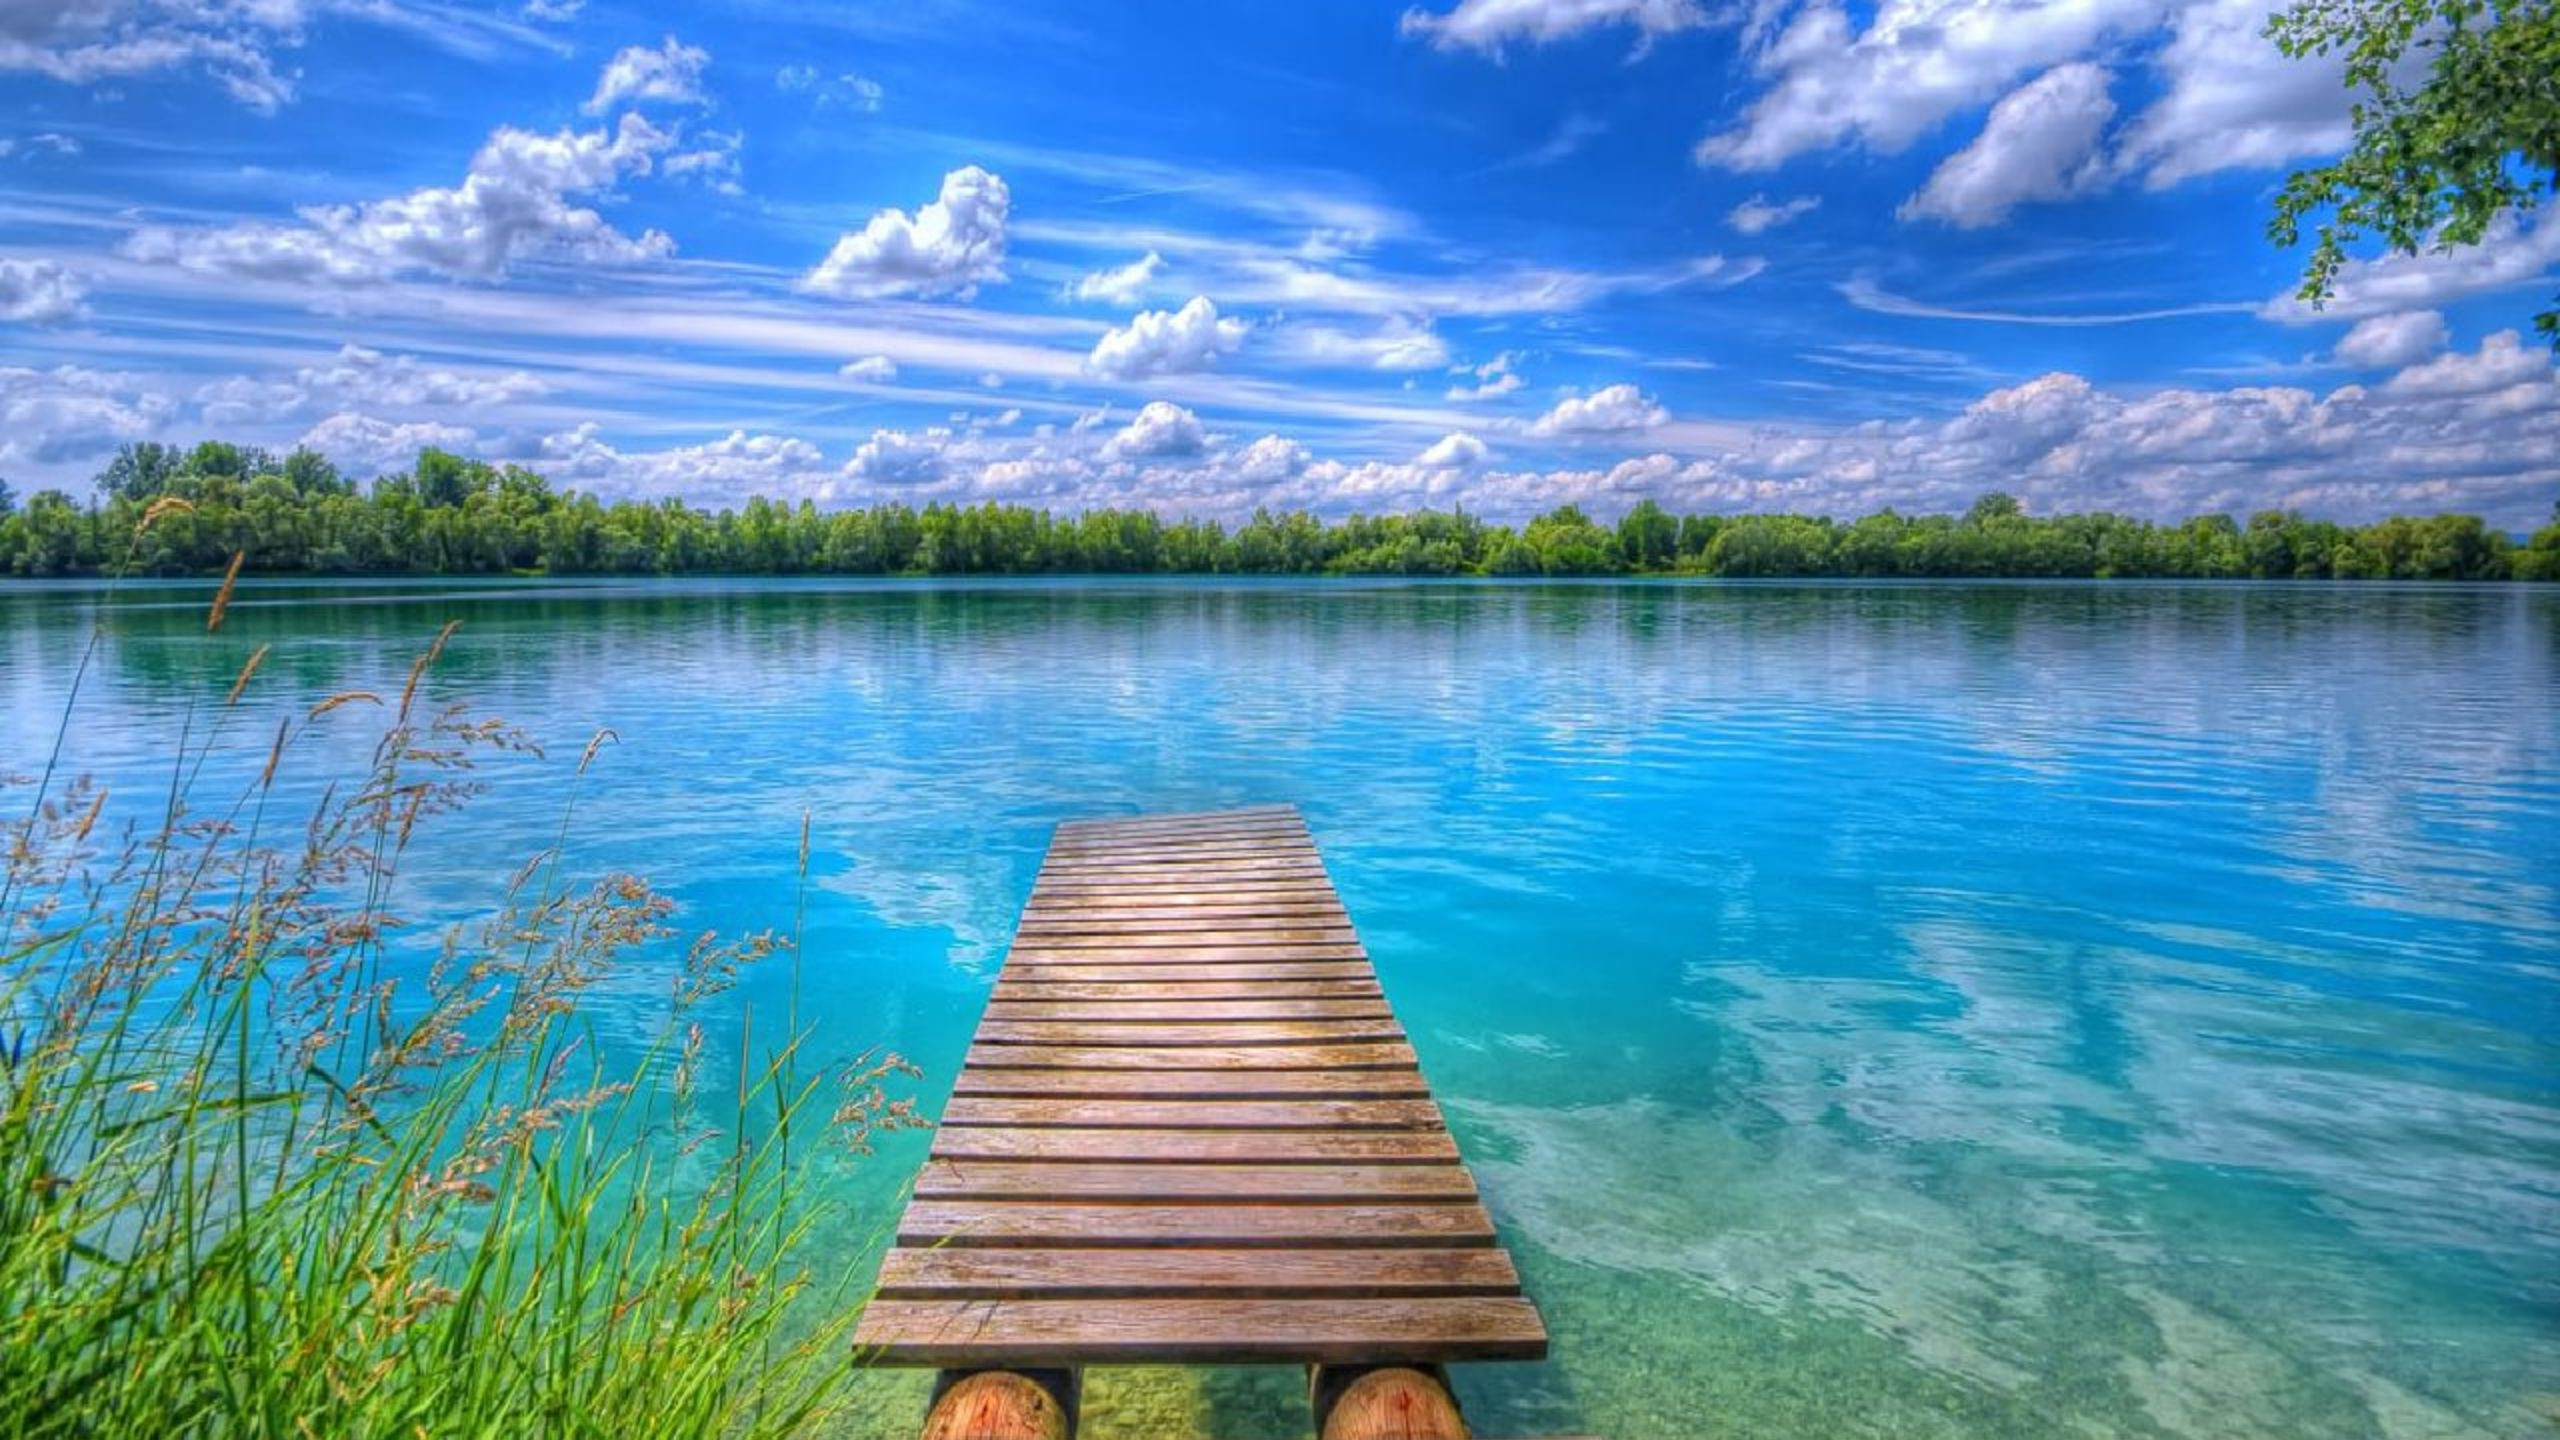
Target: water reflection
{"type": "Point", "coordinates": [1896, 1009]}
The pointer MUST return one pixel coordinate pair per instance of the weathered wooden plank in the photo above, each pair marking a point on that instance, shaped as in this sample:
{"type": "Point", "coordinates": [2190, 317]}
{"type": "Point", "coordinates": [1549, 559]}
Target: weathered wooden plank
{"type": "Point", "coordinates": [1092, 929]}
{"type": "Point", "coordinates": [1255, 833]}
{"type": "Point", "coordinates": [1118, 1082]}
{"type": "Point", "coordinates": [1177, 1009]}
{"type": "Point", "coordinates": [1190, 939]}
{"type": "Point", "coordinates": [1307, 1114]}
{"type": "Point", "coordinates": [1201, 1332]}
{"type": "Point", "coordinates": [1141, 824]}
{"type": "Point", "coordinates": [1198, 1147]}
{"type": "Point", "coordinates": [984, 1180]}
{"type": "Point", "coordinates": [1226, 1032]}
{"type": "Point", "coordinates": [965, 1273]}
{"type": "Point", "coordinates": [1062, 1224]}
{"type": "Point", "coordinates": [1176, 863]}
{"type": "Point", "coordinates": [1123, 913]}
{"type": "Point", "coordinates": [1158, 972]}
{"type": "Point", "coordinates": [1180, 885]}
{"type": "Point", "coordinates": [1368, 1055]}
{"type": "Point", "coordinates": [1172, 894]}
{"type": "Point", "coordinates": [1286, 953]}
{"type": "Point", "coordinates": [1009, 987]}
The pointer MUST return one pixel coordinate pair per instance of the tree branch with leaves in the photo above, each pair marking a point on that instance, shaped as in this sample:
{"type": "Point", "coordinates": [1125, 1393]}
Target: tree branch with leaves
{"type": "Point", "coordinates": [2438, 155]}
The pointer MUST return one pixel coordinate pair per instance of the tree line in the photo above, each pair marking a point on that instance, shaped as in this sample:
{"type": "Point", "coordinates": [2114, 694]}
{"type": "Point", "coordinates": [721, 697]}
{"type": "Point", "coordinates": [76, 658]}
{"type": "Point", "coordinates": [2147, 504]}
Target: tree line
{"type": "Point", "coordinates": [165, 511]}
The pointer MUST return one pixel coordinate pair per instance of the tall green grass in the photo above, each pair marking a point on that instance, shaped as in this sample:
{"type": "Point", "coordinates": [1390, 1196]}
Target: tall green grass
{"type": "Point", "coordinates": [266, 1169]}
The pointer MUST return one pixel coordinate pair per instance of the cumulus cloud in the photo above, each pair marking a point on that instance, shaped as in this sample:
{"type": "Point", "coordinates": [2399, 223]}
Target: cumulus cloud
{"type": "Point", "coordinates": [710, 159]}
{"type": "Point", "coordinates": [39, 292]}
{"type": "Point", "coordinates": [1270, 460]}
{"type": "Point", "coordinates": [1166, 342]}
{"type": "Point", "coordinates": [1760, 213]}
{"type": "Point", "coordinates": [2234, 101]}
{"type": "Point", "coordinates": [668, 75]}
{"type": "Point", "coordinates": [1161, 428]}
{"type": "Point", "coordinates": [2040, 143]}
{"type": "Point", "coordinates": [2508, 255]}
{"type": "Point", "coordinates": [894, 457]}
{"type": "Point", "coordinates": [1456, 450]}
{"type": "Point", "coordinates": [721, 471]}
{"type": "Point", "coordinates": [2501, 364]}
{"type": "Point", "coordinates": [1490, 26]}
{"type": "Point", "coordinates": [82, 42]}
{"type": "Point", "coordinates": [364, 381]}
{"type": "Point", "coordinates": [512, 205]}
{"type": "Point", "coordinates": [950, 246]}
{"type": "Point", "coordinates": [1122, 286]}
{"type": "Point", "coordinates": [71, 411]}
{"type": "Point", "coordinates": [1916, 63]}
{"type": "Point", "coordinates": [1400, 342]}
{"type": "Point", "coordinates": [1495, 378]}
{"type": "Point", "coordinates": [870, 370]}
{"type": "Point", "coordinates": [368, 445]}
{"type": "Point", "coordinates": [1611, 410]}
{"type": "Point", "coordinates": [2386, 341]}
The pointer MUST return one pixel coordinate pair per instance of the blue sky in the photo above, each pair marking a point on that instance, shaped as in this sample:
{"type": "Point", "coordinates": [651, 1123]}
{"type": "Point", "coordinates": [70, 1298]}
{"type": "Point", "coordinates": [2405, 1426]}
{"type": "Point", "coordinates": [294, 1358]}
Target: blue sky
{"type": "Point", "coordinates": [1503, 254]}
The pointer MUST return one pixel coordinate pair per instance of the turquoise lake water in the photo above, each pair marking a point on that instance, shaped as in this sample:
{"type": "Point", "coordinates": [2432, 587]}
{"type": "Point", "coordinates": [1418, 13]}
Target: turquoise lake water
{"type": "Point", "coordinates": [1870, 1010]}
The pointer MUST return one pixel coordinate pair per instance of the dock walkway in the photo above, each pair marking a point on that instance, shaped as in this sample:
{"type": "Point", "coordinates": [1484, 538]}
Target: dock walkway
{"type": "Point", "coordinates": [1190, 1130]}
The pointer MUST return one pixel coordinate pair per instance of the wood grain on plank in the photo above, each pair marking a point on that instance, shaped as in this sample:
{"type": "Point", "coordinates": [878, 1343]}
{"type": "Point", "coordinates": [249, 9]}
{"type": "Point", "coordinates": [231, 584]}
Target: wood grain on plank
{"type": "Point", "coordinates": [1308, 1114]}
{"type": "Point", "coordinates": [1203, 1332]}
{"type": "Point", "coordinates": [1198, 1147]}
{"type": "Point", "coordinates": [1368, 1055]}
{"type": "Point", "coordinates": [1174, 992]}
{"type": "Point", "coordinates": [1067, 1225]}
{"type": "Point", "coordinates": [1118, 1081]}
{"type": "Point", "coordinates": [1184, 1009]}
{"type": "Point", "coordinates": [956, 1273]}
{"type": "Point", "coordinates": [1230, 1032]}
{"type": "Point", "coordinates": [948, 1179]}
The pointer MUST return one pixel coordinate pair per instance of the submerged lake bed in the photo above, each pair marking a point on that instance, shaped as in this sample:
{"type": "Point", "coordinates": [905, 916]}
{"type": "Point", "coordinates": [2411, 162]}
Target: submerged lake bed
{"type": "Point", "coordinates": [2024, 1009]}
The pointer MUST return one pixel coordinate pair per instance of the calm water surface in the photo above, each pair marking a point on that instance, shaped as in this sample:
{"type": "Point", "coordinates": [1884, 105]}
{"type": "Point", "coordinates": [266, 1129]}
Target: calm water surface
{"type": "Point", "coordinates": [1870, 1010]}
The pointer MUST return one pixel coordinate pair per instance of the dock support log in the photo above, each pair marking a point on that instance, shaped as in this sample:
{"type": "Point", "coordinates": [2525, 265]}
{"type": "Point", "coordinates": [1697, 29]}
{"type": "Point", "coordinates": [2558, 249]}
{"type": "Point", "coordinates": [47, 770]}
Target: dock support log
{"type": "Point", "coordinates": [1002, 1405]}
{"type": "Point", "coordinates": [1392, 1402]}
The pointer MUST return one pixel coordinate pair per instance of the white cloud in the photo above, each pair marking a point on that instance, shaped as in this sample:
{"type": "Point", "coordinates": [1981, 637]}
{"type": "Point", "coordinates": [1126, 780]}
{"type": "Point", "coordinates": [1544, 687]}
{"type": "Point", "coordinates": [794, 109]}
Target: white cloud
{"type": "Point", "coordinates": [367, 445]}
{"type": "Point", "coordinates": [553, 9]}
{"type": "Point", "coordinates": [668, 75]}
{"type": "Point", "coordinates": [364, 381]}
{"type": "Point", "coordinates": [870, 370]}
{"type": "Point", "coordinates": [2040, 143]}
{"type": "Point", "coordinates": [1401, 342]}
{"type": "Point", "coordinates": [512, 205]}
{"type": "Point", "coordinates": [1489, 26]}
{"type": "Point", "coordinates": [2508, 255]}
{"type": "Point", "coordinates": [2234, 101]}
{"type": "Point", "coordinates": [1612, 410]}
{"type": "Point", "coordinates": [39, 292]}
{"type": "Point", "coordinates": [2501, 363]}
{"type": "Point", "coordinates": [720, 472]}
{"type": "Point", "coordinates": [792, 79]}
{"type": "Point", "coordinates": [1760, 213]}
{"type": "Point", "coordinates": [2383, 342]}
{"type": "Point", "coordinates": [44, 142]}
{"type": "Point", "coordinates": [1269, 460]}
{"type": "Point", "coordinates": [851, 90]}
{"type": "Point", "coordinates": [1456, 450]}
{"type": "Point", "coordinates": [1166, 342]}
{"type": "Point", "coordinates": [1495, 378]}
{"type": "Point", "coordinates": [69, 412]}
{"type": "Point", "coordinates": [711, 158]}
{"type": "Point", "coordinates": [950, 247]}
{"type": "Point", "coordinates": [1917, 62]}
{"type": "Point", "coordinates": [1161, 428]}
{"type": "Point", "coordinates": [1122, 286]}
{"type": "Point", "coordinates": [82, 42]}
{"type": "Point", "coordinates": [894, 457]}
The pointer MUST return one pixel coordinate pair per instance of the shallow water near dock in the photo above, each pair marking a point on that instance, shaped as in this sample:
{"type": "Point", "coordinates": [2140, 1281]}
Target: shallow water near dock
{"type": "Point", "coordinates": [2010, 1010]}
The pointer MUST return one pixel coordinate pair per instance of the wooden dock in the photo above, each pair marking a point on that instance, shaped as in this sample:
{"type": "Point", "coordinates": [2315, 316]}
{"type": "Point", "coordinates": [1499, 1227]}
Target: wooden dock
{"type": "Point", "coordinates": [1190, 1130]}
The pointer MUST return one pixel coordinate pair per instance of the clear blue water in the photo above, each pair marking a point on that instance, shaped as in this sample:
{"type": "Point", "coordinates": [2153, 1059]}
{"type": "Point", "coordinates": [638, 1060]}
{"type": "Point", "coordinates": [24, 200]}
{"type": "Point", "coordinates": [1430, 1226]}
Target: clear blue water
{"type": "Point", "coordinates": [2011, 1010]}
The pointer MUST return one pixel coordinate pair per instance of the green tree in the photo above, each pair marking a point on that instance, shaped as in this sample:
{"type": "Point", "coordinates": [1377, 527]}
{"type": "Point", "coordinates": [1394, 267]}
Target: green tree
{"type": "Point", "coordinates": [2433, 164]}
{"type": "Point", "coordinates": [1648, 536]}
